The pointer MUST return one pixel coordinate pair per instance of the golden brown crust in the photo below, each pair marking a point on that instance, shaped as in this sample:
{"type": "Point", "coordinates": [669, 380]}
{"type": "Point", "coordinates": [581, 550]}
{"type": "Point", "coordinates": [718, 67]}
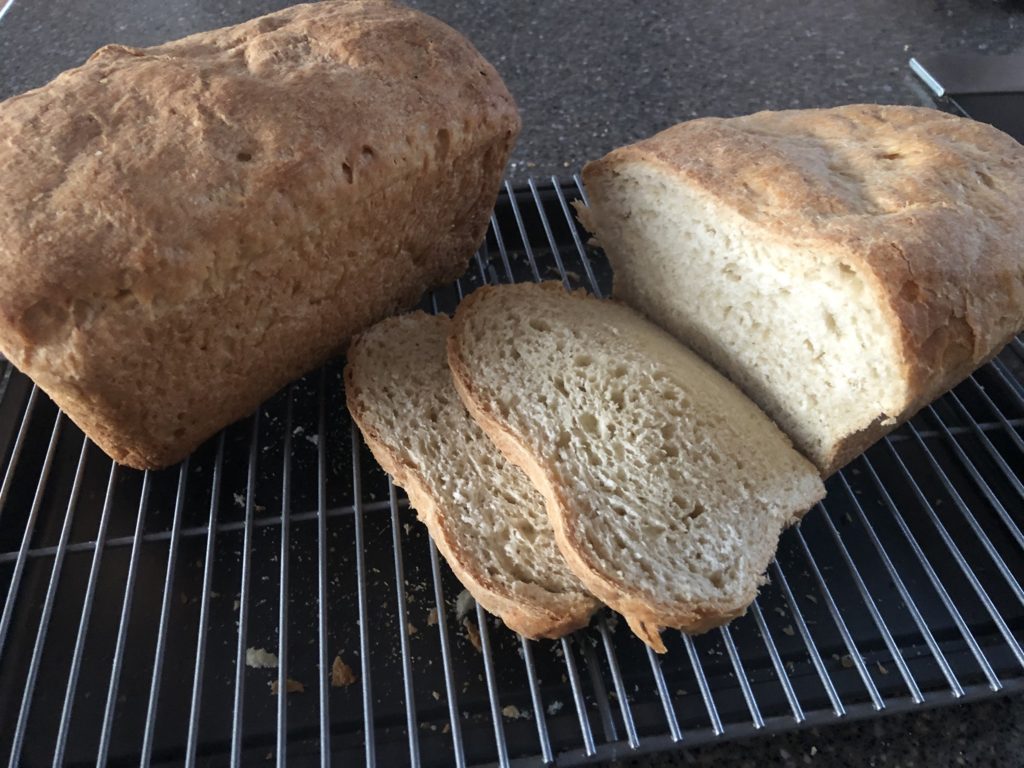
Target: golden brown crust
{"type": "Point", "coordinates": [924, 206]}
{"type": "Point", "coordinates": [558, 617]}
{"type": "Point", "coordinates": [188, 227]}
{"type": "Point", "coordinates": [644, 617]}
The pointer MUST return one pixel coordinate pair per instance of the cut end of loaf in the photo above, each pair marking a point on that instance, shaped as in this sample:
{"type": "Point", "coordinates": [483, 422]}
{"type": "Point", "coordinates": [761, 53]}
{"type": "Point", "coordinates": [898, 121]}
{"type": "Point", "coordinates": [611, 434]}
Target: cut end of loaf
{"type": "Point", "coordinates": [802, 333]}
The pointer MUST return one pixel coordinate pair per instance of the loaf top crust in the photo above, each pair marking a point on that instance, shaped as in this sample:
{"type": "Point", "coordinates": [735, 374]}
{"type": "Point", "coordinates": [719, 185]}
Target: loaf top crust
{"type": "Point", "coordinates": [102, 201]}
{"type": "Point", "coordinates": [923, 206]}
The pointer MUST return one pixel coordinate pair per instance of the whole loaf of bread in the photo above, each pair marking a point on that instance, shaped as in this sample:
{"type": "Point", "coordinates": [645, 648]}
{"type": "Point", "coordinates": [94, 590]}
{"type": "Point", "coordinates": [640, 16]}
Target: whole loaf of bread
{"type": "Point", "coordinates": [185, 228]}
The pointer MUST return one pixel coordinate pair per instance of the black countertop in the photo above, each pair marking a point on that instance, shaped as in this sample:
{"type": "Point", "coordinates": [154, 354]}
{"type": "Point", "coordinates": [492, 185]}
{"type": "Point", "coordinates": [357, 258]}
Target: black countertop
{"type": "Point", "coordinates": [589, 76]}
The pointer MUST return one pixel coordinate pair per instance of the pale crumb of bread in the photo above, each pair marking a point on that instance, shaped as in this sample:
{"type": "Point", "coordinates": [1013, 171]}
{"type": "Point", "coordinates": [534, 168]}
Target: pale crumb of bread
{"type": "Point", "coordinates": [464, 603]}
{"type": "Point", "coordinates": [258, 658]}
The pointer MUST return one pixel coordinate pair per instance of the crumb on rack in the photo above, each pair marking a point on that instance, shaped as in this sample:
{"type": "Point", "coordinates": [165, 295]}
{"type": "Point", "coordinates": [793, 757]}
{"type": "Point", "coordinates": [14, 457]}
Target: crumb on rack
{"type": "Point", "coordinates": [342, 675]}
{"type": "Point", "coordinates": [290, 686]}
{"type": "Point", "coordinates": [464, 603]}
{"type": "Point", "coordinates": [258, 658]}
{"type": "Point", "coordinates": [472, 633]}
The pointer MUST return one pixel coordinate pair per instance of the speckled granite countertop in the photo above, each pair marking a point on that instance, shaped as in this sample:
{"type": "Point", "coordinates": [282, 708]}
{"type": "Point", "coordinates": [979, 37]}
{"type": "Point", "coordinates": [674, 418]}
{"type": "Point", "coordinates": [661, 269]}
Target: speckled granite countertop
{"type": "Point", "coordinates": [592, 75]}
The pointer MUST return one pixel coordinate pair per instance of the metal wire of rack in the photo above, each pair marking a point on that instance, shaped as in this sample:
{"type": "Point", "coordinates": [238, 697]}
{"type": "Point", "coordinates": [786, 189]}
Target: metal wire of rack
{"type": "Point", "coordinates": [133, 601]}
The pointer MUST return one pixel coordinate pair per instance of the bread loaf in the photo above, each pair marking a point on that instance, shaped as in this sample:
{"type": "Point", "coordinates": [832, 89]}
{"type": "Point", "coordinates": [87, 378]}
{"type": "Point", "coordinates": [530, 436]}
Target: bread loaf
{"type": "Point", "coordinates": [185, 228]}
{"type": "Point", "coordinates": [481, 511]}
{"type": "Point", "coordinates": [843, 266]}
{"type": "Point", "coordinates": [666, 487]}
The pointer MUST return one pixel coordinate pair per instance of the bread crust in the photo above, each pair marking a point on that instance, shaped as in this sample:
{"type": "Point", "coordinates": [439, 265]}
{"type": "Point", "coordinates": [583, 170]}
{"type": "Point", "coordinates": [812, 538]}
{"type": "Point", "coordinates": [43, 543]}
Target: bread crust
{"type": "Point", "coordinates": [190, 226]}
{"type": "Point", "coordinates": [558, 616]}
{"type": "Point", "coordinates": [923, 206]}
{"type": "Point", "coordinates": [644, 616]}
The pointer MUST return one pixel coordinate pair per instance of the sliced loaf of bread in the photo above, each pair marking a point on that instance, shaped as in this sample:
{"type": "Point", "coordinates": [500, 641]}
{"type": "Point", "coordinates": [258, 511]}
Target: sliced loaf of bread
{"type": "Point", "coordinates": [666, 487]}
{"type": "Point", "coordinates": [843, 266]}
{"type": "Point", "coordinates": [481, 511]}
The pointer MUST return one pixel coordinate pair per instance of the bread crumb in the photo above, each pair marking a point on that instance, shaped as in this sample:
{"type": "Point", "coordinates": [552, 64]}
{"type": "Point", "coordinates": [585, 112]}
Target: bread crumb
{"type": "Point", "coordinates": [436, 695]}
{"type": "Point", "coordinates": [239, 500]}
{"type": "Point", "coordinates": [290, 686]}
{"type": "Point", "coordinates": [555, 707]}
{"type": "Point", "coordinates": [511, 711]}
{"type": "Point", "coordinates": [881, 668]}
{"type": "Point", "coordinates": [788, 630]}
{"type": "Point", "coordinates": [236, 605]}
{"type": "Point", "coordinates": [432, 617]}
{"type": "Point", "coordinates": [472, 633]}
{"type": "Point", "coordinates": [411, 629]}
{"type": "Point", "coordinates": [446, 728]}
{"type": "Point", "coordinates": [342, 675]}
{"type": "Point", "coordinates": [258, 658]}
{"type": "Point", "coordinates": [464, 603]}
{"type": "Point", "coordinates": [846, 661]}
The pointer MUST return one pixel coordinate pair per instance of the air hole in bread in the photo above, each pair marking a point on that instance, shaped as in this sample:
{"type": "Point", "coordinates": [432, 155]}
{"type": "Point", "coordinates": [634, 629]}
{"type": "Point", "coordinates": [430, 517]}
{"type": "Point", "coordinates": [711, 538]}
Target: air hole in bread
{"type": "Point", "coordinates": [582, 361]}
{"type": "Point", "coordinates": [243, 157]}
{"type": "Point", "coordinates": [618, 398]}
{"type": "Point", "coordinates": [589, 423]}
{"type": "Point", "coordinates": [367, 152]}
{"type": "Point", "coordinates": [539, 325]}
{"type": "Point", "coordinates": [347, 170]}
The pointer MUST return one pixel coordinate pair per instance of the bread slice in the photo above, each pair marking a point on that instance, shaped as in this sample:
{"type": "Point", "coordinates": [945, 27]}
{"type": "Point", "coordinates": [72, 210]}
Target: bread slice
{"type": "Point", "coordinates": [667, 488]}
{"type": "Point", "coordinates": [482, 512]}
{"type": "Point", "coordinates": [843, 266]}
